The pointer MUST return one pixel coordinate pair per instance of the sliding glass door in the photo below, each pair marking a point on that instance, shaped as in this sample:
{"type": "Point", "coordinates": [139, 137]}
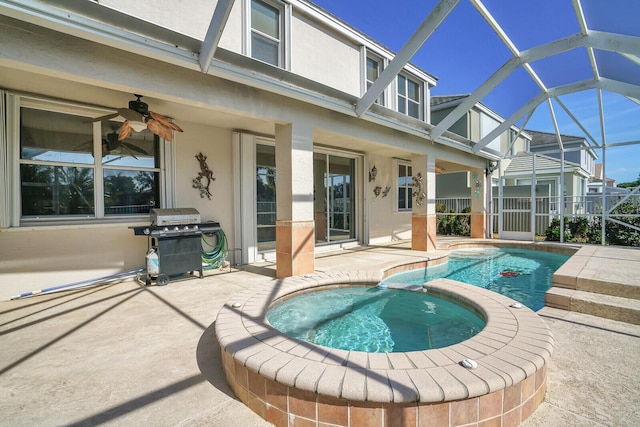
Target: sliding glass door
{"type": "Point", "coordinates": [334, 202]}
{"type": "Point", "coordinates": [266, 197]}
{"type": "Point", "coordinates": [334, 199]}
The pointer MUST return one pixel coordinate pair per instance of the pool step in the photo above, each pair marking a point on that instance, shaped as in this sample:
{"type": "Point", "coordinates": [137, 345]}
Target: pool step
{"type": "Point", "coordinates": [608, 306]}
{"type": "Point", "coordinates": [624, 290]}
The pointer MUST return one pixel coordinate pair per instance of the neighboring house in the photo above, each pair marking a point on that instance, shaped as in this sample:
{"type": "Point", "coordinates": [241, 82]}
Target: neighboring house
{"type": "Point", "coordinates": [478, 123]}
{"type": "Point", "coordinates": [517, 170]}
{"type": "Point", "coordinates": [579, 167]}
{"type": "Point", "coordinates": [613, 194]}
{"type": "Point", "coordinates": [270, 104]}
{"type": "Point", "coordinates": [595, 182]}
{"type": "Point", "coordinates": [455, 189]}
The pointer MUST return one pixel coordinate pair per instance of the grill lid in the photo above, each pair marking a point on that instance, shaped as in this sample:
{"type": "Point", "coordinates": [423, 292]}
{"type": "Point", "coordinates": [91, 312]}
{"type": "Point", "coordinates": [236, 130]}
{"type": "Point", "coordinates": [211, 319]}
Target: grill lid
{"type": "Point", "coordinates": [174, 216]}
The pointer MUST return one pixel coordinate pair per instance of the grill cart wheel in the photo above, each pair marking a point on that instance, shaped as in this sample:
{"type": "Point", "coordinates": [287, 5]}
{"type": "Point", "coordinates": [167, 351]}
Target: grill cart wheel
{"type": "Point", "coordinates": [162, 279]}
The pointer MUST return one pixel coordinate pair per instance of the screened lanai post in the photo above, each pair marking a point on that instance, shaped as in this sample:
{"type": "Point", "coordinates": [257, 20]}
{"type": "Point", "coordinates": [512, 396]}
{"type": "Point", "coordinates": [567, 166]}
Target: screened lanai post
{"type": "Point", "coordinates": [424, 31]}
{"type": "Point", "coordinates": [603, 134]}
{"type": "Point", "coordinates": [214, 32]}
{"type": "Point", "coordinates": [423, 212]}
{"type": "Point", "coordinates": [563, 191]}
{"type": "Point", "coordinates": [533, 197]}
{"type": "Point", "coordinates": [295, 240]}
{"type": "Point", "coordinates": [500, 201]}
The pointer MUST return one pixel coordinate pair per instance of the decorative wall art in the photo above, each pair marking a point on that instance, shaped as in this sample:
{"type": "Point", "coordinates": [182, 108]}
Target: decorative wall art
{"type": "Point", "coordinates": [373, 173]}
{"type": "Point", "coordinates": [205, 174]}
{"type": "Point", "coordinates": [478, 184]}
{"type": "Point", "coordinates": [377, 190]}
{"type": "Point", "coordinates": [385, 192]}
{"type": "Point", "coordinates": [418, 189]}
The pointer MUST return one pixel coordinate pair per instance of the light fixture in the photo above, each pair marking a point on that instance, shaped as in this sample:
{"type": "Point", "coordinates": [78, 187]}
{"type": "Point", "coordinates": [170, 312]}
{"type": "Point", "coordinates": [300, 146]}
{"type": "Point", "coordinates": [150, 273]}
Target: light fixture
{"type": "Point", "coordinates": [138, 126]}
{"type": "Point", "coordinates": [373, 173]}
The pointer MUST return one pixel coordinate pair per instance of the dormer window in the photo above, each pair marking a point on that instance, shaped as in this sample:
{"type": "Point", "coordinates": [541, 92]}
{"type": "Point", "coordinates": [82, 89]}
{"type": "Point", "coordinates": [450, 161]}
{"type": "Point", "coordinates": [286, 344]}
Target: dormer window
{"type": "Point", "coordinates": [374, 68]}
{"type": "Point", "coordinates": [409, 96]}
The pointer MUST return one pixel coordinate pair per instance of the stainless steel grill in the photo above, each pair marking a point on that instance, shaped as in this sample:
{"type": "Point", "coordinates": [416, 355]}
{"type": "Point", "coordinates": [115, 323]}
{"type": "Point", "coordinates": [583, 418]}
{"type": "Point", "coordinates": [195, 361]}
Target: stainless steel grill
{"type": "Point", "coordinates": [175, 236]}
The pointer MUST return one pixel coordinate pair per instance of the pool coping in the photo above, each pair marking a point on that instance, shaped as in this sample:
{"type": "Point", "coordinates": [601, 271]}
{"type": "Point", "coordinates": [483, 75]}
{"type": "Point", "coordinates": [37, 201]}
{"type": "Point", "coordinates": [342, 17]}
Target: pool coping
{"type": "Point", "coordinates": [515, 346]}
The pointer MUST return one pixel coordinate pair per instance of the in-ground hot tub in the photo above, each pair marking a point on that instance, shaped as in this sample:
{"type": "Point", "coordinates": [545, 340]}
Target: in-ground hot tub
{"type": "Point", "coordinates": [289, 382]}
{"type": "Point", "coordinates": [379, 319]}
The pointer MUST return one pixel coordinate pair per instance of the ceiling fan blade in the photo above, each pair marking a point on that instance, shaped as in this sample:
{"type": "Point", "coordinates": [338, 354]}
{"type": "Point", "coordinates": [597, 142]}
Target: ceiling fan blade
{"type": "Point", "coordinates": [107, 117]}
{"type": "Point", "coordinates": [159, 129]}
{"type": "Point", "coordinates": [125, 131]}
{"type": "Point", "coordinates": [125, 148]}
{"type": "Point", "coordinates": [132, 147]}
{"type": "Point", "coordinates": [130, 114]}
{"type": "Point", "coordinates": [84, 147]}
{"type": "Point", "coordinates": [165, 121]}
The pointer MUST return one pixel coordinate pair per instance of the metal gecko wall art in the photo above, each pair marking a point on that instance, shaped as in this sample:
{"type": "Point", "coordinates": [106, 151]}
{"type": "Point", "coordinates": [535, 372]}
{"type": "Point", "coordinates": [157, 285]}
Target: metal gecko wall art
{"type": "Point", "coordinates": [204, 174]}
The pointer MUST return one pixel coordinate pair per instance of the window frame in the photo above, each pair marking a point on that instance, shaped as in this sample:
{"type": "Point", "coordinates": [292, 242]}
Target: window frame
{"type": "Point", "coordinates": [283, 27]}
{"type": "Point", "coordinates": [406, 100]}
{"type": "Point", "coordinates": [369, 56]}
{"type": "Point", "coordinates": [163, 168]}
{"type": "Point", "coordinates": [407, 188]}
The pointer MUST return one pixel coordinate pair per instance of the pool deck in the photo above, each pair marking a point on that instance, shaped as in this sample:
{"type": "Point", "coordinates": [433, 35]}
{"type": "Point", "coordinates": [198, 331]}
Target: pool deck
{"type": "Point", "coordinates": [125, 354]}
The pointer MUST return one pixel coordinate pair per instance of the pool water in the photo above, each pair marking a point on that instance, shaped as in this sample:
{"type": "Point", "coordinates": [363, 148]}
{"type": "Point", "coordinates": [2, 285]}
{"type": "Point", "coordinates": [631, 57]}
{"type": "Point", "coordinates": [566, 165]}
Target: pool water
{"type": "Point", "coordinates": [522, 275]}
{"type": "Point", "coordinates": [375, 320]}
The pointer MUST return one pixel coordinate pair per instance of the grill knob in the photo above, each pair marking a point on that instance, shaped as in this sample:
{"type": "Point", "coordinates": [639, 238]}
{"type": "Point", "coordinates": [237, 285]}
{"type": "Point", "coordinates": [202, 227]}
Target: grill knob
{"type": "Point", "coordinates": [195, 227]}
{"type": "Point", "coordinates": [186, 227]}
{"type": "Point", "coordinates": [166, 229]}
{"type": "Point", "coordinates": [176, 229]}
{"type": "Point", "coordinates": [146, 231]}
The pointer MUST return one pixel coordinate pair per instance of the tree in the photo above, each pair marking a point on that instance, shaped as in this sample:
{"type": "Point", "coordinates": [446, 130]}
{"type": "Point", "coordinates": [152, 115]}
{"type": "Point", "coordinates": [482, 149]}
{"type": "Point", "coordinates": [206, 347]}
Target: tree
{"type": "Point", "coordinates": [631, 184]}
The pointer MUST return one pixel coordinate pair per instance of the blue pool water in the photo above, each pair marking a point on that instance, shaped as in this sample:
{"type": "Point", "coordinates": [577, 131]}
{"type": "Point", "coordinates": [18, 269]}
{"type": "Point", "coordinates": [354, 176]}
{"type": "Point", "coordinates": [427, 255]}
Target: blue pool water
{"type": "Point", "coordinates": [522, 275]}
{"type": "Point", "coordinates": [374, 320]}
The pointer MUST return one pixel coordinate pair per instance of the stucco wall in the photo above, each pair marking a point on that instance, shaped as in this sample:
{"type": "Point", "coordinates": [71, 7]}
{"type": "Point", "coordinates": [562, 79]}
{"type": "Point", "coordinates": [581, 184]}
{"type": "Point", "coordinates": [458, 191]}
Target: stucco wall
{"type": "Point", "coordinates": [215, 143]}
{"type": "Point", "coordinates": [189, 17]}
{"type": "Point", "coordinates": [33, 258]}
{"type": "Point", "coordinates": [316, 53]}
{"type": "Point", "coordinates": [385, 222]}
{"type": "Point", "coordinates": [321, 56]}
{"type": "Point", "coordinates": [44, 256]}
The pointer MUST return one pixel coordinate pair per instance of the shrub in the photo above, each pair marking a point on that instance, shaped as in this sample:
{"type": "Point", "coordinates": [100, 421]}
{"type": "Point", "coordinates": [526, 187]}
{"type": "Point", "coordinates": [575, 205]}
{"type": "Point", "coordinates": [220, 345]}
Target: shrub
{"type": "Point", "coordinates": [453, 225]}
{"type": "Point", "coordinates": [583, 230]}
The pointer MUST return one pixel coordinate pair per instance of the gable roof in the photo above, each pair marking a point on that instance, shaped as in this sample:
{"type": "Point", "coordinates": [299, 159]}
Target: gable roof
{"type": "Point", "coordinates": [439, 100]}
{"type": "Point", "coordinates": [544, 138]}
{"type": "Point", "coordinates": [522, 164]}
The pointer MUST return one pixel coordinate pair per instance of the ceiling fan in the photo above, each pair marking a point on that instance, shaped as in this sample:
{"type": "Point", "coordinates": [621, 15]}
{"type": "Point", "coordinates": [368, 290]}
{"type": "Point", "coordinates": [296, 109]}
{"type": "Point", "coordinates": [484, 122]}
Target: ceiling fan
{"type": "Point", "coordinates": [137, 117]}
{"type": "Point", "coordinates": [114, 146]}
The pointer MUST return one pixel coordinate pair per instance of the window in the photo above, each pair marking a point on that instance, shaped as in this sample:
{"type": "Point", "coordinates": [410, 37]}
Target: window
{"type": "Point", "coordinates": [374, 68]}
{"type": "Point", "coordinates": [266, 32]}
{"type": "Point", "coordinates": [71, 167]}
{"type": "Point", "coordinates": [405, 186]}
{"type": "Point", "coordinates": [409, 97]}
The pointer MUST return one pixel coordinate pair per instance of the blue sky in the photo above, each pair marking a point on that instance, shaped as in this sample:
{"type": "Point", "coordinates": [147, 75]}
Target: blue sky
{"type": "Point", "coordinates": [464, 51]}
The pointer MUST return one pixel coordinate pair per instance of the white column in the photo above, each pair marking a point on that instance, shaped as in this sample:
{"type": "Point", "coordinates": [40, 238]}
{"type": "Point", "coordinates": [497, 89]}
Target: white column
{"type": "Point", "coordinates": [295, 238]}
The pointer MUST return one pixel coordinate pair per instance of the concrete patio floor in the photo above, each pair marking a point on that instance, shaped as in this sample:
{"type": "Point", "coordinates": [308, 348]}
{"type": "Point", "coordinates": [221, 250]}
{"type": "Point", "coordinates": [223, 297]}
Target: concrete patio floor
{"type": "Point", "coordinates": [126, 354]}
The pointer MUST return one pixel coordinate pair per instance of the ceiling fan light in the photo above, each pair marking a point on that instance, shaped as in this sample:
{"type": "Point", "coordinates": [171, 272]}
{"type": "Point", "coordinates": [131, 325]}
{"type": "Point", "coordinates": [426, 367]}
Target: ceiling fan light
{"type": "Point", "coordinates": [138, 126]}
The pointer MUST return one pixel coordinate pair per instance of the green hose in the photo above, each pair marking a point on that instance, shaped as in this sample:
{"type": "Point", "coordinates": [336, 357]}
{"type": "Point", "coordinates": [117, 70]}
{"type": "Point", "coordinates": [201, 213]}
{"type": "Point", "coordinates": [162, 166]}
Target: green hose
{"type": "Point", "coordinates": [213, 255]}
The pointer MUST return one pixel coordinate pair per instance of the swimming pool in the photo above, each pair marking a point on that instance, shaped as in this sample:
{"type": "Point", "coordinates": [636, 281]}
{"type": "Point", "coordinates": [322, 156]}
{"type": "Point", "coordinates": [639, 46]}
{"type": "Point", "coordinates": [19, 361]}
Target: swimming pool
{"type": "Point", "coordinates": [375, 320]}
{"type": "Point", "coordinates": [520, 274]}
{"type": "Point", "coordinates": [282, 378]}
